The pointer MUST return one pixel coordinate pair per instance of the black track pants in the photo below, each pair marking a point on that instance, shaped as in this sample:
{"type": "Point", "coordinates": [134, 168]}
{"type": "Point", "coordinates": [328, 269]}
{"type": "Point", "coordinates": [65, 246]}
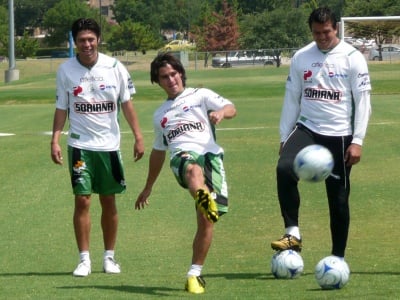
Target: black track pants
{"type": "Point", "coordinates": [337, 185]}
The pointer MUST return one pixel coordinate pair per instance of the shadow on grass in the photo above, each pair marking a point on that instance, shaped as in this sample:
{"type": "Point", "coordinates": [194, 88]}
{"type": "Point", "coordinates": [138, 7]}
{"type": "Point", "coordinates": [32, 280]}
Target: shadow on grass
{"type": "Point", "coordinates": [244, 276]}
{"type": "Point", "coordinates": [148, 290]}
{"type": "Point", "coordinates": [239, 276]}
{"type": "Point", "coordinates": [36, 274]}
{"type": "Point", "coordinates": [228, 276]}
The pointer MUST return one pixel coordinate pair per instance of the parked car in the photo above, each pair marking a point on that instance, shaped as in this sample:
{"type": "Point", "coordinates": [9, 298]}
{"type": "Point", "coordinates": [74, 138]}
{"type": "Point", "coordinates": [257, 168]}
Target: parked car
{"type": "Point", "coordinates": [178, 45]}
{"type": "Point", "coordinates": [240, 58]}
{"type": "Point", "coordinates": [389, 53]}
{"type": "Point", "coordinates": [360, 43]}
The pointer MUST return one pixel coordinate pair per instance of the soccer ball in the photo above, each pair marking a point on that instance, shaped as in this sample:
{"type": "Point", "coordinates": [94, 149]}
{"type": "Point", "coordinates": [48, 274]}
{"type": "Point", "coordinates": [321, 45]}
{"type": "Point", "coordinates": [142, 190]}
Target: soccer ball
{"type": "Point", "coordinates": [313, 163]}
{"type": "Point", "coordinates": [332, 272]}
{"type": "Point", "coordinates": [287, 264]}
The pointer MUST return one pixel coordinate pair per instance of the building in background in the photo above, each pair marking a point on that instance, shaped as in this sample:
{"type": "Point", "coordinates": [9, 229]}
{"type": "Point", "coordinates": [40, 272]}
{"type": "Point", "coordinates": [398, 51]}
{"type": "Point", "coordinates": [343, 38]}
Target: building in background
{"type": "Point", "coordinates": [105, 8]}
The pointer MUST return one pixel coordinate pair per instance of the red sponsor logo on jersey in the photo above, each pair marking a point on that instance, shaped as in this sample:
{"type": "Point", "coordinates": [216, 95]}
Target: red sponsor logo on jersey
{"type": "Point", "coordinates": [77, 90]}
{"type": "Point", "coordinates": [163, 122]}
{"type": "Point", "coordinates": [307, 74]}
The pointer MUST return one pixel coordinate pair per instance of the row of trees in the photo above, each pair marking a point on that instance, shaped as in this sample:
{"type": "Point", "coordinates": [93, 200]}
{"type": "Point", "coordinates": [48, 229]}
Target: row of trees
{"type": "Point", "coordinates": [213, 24]}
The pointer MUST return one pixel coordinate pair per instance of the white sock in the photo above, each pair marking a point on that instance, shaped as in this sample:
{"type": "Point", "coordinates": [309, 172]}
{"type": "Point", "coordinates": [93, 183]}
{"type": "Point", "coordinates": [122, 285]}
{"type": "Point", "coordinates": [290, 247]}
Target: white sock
{"type": "Point", "coordinates": [195, 270]}
{"type": "Point", "coordinates": [84, 256]}
{"type": "Point", "coordinates": [109, 253]}
{"type": "Point", "coordinates": [293, 230]}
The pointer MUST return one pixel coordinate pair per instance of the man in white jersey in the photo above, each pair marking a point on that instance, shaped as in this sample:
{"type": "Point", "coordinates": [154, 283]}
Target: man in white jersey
{"type": "Point", "coordinates": [184, 125]}
{"type": "Point", "coordinates": [327, 102]}
{"type": "Point", "coordinates": [92, 88]}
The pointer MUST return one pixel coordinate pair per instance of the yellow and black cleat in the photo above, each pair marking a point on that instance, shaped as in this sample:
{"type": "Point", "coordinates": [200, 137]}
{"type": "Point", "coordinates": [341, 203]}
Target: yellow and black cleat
{"type": "Point", "coordinates": [207, 205]}
{"type": "Point", "coordinates": [195, 285]}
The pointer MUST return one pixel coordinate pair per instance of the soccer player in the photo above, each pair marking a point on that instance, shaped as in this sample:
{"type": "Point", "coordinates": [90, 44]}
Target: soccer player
{"type": "Point", "coordinates": [92, 88]}
{"type": "Point", "coordinates": [184, 125]}
{"type": "Point", "coordinates": [327, 102]}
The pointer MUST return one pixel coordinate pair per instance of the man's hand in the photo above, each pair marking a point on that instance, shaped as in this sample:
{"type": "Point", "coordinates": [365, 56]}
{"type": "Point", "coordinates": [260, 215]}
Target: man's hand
{"type": "Point", "coordinates": [56, 154]}
{"type": "Point", "coordinates": [142, 200]}
{"type": "Point", "coordinates": [353, 154]}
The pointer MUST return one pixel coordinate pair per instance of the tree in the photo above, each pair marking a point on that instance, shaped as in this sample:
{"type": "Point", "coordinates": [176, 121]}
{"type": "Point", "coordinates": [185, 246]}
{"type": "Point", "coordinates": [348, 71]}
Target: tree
{"type": "Point", "coordinates": [131, 36]}
{"type": "Point", "coordinates": [221, 33]}
{"type": "Point", "coordinates": [140, 11]}
{"type": "Point", "coordinates": [177, 15]}
{"type": "Point", "coordinates": [25, 46]}
{"type": "Point", "coordinates": [272, 30]}
{"type": "Point", "coordinates": [28, 14]}
{"type": "Point", "coordinates": [3, 32]}
{"type": "Point", "coordinates": [260, 6]}
{"type": "Point", "coordinates": [58, 19]}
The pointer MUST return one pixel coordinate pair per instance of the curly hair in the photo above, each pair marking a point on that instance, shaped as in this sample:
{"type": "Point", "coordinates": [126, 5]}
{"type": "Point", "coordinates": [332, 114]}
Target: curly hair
{"type": "Point", "coordinates": [162, 60]}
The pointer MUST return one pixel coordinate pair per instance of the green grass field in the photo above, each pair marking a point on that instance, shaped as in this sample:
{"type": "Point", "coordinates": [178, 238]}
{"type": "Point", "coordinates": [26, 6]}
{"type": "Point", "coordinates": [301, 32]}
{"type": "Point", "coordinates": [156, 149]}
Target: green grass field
{"type": "Point", "coordinates": [38, 250]}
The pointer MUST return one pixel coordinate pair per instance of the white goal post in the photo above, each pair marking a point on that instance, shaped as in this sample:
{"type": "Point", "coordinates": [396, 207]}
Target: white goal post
{"type": "Point", "coordinates": [344, 19]}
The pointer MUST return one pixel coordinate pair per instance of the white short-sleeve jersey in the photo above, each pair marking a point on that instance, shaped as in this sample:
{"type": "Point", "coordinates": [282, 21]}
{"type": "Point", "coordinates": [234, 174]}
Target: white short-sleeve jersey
{"type": "Point", "coordinates": [92, 98]}
{"type": "Point", "coordinates": [326, 85]}
{"type": "Point", "coordinates": [182, 124]}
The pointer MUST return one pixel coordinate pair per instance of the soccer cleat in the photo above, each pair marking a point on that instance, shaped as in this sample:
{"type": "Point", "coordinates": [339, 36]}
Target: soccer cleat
{"type": "Point", "coordinates": [83, 269]}
{"type": "Point", "coordinates": [110, 266]}
{"type": "Point", "coordinates": [207, 205]}
{"type": "Point", "coordinates": [287, 242]}
{"type": "Point", "coordinates": [195, 285]}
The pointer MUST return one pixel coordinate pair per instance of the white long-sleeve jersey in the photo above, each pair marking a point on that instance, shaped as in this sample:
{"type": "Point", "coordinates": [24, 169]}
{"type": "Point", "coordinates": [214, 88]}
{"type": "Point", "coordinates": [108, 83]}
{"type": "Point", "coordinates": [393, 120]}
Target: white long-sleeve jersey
{"type": "Point", "coordinates": [329, 93]}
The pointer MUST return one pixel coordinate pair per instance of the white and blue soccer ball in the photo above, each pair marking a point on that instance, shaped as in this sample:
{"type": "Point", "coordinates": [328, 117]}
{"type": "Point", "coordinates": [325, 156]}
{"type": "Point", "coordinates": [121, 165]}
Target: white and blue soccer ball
{"type": "Point", "coordinates": [313, 163]}
{"type": "Point", "coordinates": [332, 272]}
{"type": "Point", "coordinates": [287, 264]}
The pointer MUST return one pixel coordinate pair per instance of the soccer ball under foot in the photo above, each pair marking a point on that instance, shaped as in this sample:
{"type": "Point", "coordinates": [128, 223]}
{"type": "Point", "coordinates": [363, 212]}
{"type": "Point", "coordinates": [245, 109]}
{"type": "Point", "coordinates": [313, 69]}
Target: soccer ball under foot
{"type": "Point", "coordinates": [287, 264]}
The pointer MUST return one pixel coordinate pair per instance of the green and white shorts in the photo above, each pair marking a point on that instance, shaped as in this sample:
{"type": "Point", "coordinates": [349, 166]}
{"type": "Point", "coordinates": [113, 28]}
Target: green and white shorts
{"type": "Point", "coordinates": [96, 172]}
{"type": "Point", "coordinates": [213, 170]}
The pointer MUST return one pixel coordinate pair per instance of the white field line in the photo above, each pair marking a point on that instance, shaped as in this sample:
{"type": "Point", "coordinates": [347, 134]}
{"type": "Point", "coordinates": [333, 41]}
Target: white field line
{"type": "Point", "coordinates": [2, 134]}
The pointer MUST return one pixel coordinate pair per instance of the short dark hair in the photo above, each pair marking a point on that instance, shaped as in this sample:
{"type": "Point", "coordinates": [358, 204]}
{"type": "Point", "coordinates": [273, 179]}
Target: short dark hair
{"type": "Point", "coordinates": [85, 24]}
{"type": "Point", "coordinates": [322, 15]}
{"type": "Point", "coordinates": [162, 60]}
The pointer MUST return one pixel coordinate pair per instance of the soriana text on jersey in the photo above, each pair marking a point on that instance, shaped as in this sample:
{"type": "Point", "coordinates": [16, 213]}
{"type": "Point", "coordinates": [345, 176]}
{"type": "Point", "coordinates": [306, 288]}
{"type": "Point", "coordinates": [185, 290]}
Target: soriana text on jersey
{"type": "Point", "coordinates": [183, 128]}
{"type": "Point", "coordinates": [97, 108]}
{"type": "Point", "coordinates": [322, 94]}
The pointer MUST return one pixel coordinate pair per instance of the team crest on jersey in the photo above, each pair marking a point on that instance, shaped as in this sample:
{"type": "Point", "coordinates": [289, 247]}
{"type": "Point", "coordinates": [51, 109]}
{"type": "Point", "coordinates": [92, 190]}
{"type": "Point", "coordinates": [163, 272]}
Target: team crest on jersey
{"type": "Point", "coordinates": [79, 166]}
